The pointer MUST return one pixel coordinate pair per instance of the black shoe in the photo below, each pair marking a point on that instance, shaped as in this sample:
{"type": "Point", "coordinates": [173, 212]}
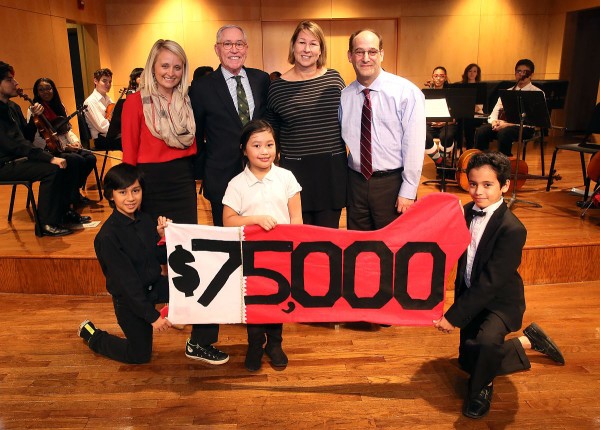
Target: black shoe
{"type": "Point", "coordinates": [209, 354]}
{"type": "Point", "coordinates": [479, 406]}
{"type": "Point", "coordinates": [86, 330]}
{"type": "Point", "coordinates": [541, 342]}
{"type": "Point", "coordinates": [83, 201]}
{"type": "Point", "coordinates": [55, 230]}
{"type": "Point", "coordinates": [253, 360]}
{"type": "Point", "coordinates": [72, 217]}
{"type": "Point", "coordinates": [277, 356]}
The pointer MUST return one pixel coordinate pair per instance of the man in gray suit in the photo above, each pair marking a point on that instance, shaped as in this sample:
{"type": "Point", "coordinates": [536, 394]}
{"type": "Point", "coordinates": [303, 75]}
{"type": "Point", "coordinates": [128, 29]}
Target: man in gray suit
{"type": "Point", "coordinates": [216, 100]}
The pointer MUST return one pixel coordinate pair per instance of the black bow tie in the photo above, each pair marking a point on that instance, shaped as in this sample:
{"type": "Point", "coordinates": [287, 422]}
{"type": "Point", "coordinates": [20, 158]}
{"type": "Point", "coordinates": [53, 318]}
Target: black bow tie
{"type": "Point", "coordinates": [477, 213]}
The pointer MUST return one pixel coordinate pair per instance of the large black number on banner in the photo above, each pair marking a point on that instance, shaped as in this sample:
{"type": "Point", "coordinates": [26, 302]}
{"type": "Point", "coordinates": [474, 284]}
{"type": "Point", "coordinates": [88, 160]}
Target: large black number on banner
{"type": "Point", "coordinates": [334, 292]}
{"type": "Point", "coordinates": [384, 293]}
{"type": "Point", "coordinates": [403, 257]}
{"type": "Point", "coordinates": [283, 286]}
{"type": "Point", "coordinates": [233, 262]}
{"type": "Point", "coordinates": [189, 279]}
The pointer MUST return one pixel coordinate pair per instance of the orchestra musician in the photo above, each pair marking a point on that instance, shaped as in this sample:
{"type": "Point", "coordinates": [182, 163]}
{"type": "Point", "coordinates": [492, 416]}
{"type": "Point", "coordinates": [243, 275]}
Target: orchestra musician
{"type": "Point", "coordinates": [46, 94]}
{"type": "Point", "coordinates": [21, 160]}
{"type": "Point", "coordinates": [97, 108]}
{"type": "Point", "coordinates": [439, 130]}
{"type": "Point", "coordinates": [497, 127]}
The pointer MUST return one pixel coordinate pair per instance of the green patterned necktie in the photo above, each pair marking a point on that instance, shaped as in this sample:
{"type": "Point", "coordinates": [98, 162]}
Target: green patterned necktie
{"type": "Point", "coordinates": [243, 109]}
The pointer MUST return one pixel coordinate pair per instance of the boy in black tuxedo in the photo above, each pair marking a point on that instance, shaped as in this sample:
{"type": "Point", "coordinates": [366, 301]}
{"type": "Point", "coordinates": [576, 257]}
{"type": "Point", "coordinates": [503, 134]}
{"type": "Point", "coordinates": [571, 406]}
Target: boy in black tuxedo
{"type": "Point", "coordinates": [489, 296]}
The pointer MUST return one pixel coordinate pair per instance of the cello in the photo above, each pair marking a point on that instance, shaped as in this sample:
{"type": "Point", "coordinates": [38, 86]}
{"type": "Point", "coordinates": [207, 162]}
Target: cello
{"type": "Point", "coordinates": [44, 127]}
{"type": "Point", "coordinates": [520, 165]}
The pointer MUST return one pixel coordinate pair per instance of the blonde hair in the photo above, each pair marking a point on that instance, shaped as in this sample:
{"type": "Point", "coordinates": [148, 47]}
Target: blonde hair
{"type": "Point", "coordinates": [147, 77]}
{"type": "Point", "coordinates": [314, 29]}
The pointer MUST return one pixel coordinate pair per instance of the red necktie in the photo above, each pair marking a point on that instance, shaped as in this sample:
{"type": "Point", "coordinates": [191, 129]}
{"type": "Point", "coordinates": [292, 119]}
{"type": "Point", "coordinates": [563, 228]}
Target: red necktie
{"type": "Point", "coordinates": [366, 168]}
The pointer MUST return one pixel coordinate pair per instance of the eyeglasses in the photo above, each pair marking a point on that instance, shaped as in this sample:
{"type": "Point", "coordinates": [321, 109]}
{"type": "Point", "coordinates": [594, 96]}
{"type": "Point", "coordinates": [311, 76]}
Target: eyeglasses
{"type": "Point", "coordinates": [45, 90]}
{"type": "Point", "coordinates": [523, 72]}
{"type": "Point", "coordinates": [361, 52]}
{"type": "Point", "coordinates": [228, 45]}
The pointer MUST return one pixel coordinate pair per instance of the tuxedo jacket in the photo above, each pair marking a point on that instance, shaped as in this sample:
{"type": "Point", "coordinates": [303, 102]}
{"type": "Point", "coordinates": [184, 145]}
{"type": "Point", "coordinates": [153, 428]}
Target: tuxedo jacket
{"type": "Point", "coordinates": [496, 286]}
{"type": "Point", "coordinates": [218, 128]}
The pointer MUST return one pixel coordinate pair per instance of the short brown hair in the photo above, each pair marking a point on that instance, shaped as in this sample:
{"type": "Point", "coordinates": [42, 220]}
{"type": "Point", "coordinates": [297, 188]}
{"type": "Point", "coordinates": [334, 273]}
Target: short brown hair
{"type": "Point", "coordinates": [314, 29]}
{"type": "Point", "coordinates": [102, 72]}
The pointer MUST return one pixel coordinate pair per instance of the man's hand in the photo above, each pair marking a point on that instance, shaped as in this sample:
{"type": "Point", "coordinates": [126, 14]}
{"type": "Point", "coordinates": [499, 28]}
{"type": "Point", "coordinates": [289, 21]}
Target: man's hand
{"type": "Point", "coordinates": [499, 124]}
{"type": "Point", "coordinates": [37, 109]}
{"type": "Point", "coordinates": [402, 204]}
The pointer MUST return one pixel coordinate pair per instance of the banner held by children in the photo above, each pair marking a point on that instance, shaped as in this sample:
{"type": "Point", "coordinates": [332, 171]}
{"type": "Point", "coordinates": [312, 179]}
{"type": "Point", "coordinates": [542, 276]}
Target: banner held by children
{"type": "Point", "coordinates": [301, 273]}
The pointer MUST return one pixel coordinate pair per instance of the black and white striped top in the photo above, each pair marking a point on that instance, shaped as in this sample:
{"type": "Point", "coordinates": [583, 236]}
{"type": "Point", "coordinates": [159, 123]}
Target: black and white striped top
{"type": "Point", "coordinates": [304, 114]}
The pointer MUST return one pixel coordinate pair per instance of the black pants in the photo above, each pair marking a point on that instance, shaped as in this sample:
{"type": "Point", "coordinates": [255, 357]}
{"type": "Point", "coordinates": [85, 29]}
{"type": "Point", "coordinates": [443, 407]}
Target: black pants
{"type": "Point", "coordinates": [82, 164]}
{"type": "Point", "coordinates": [136, 347]}
{"type": "Point", "coordinates": [372, 203]}
{"type": "Point", "coordinates": [484, 354]}
{"type": "Point", "coordinates": [216, 209]}
{"type": "Point", "coordinates": [258, 333]}
{"type": "Point", "coordinates": [325, 218]}
{"type": "Point", "coordinates": [484, 135]}
{"type": "Point", "coordinates": [445, 134]}
{"type": "Point", "coordinates": [53, 199]}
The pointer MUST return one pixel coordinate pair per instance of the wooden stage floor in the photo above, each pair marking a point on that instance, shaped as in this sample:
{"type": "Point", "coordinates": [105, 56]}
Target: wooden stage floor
{"type": "Point", "coordinates": [561, 247]}
{"type": "Point", "coordinates": [350, 377]}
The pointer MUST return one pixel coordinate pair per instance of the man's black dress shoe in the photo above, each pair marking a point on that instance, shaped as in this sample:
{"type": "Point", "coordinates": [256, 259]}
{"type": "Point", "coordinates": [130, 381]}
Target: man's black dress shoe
{"type": "Point", "coordinates": [541, 342]}
{"type": "Point", "coordinates": [72, 217]}
{"type": "Point", "coordinates": [479, 406]}
{"type": "Point", "coordinates": [83, 201]}
{"type": "Point", "coordinates": [53, 230]}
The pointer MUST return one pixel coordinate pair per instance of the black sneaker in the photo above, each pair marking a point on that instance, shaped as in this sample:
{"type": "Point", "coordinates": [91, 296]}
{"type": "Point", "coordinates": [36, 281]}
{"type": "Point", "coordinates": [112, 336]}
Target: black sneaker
{"type": "Point", "coordinates": [86, 330]}
{"type": "Point", "coordinates": [209, 354]}
{"type": "Point", "coordinates": [541, 342]}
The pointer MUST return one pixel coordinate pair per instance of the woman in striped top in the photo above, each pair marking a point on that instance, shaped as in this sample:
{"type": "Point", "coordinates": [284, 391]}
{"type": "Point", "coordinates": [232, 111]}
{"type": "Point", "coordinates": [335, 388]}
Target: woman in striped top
{"type": "Point", "coordinates": [302, 106]}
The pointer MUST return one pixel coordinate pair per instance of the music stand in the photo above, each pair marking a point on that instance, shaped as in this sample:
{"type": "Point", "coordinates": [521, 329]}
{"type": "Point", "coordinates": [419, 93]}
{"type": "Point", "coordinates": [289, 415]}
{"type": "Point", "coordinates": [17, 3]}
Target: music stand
{"type": "Point", "coordinates": [525, 108]}
{"type": "Point", "coordinates": [114, 129]}
{"type": "Point", "coordinates": [438, 112]}
{"type": "Point", "coordinates": [461, 104]}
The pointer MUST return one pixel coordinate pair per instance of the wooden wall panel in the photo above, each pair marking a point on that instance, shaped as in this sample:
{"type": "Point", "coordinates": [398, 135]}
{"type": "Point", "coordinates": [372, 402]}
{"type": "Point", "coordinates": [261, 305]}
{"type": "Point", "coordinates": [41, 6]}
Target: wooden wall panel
{"type": "Point", "coordinates": [278, 10]}
{"type": "Point", "coordinates": [123, 57]}
{"type": "Point", "coordinates": [27, 5]}
{"type": "Point", "coordinates": [143, 12]}
{"type": "Point", "coordinates": [94, 11]}
{"type": "Point", "coordinates": [440, 8]}
{"type": "Point", "coordinates": [556, 32]}
{"type": "Point", "coordinates": [358, 9]}
{"type": "Point", "coordinates": [500, 49]}
{"type": "Point", "coordinates": [218, 10]}
{"type": "Point", "coordinates": [561, 6]}
{"type": "Point", "coordinates": [514, 7]}
{"type": "Point", "coordinates": [200, 38]}
{"type": "Point", "coordinates": [427, 42]}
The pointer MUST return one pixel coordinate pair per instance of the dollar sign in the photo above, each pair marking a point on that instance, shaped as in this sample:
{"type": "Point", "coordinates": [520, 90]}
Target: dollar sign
{"type": "Point", "coordinates": [189, 279]}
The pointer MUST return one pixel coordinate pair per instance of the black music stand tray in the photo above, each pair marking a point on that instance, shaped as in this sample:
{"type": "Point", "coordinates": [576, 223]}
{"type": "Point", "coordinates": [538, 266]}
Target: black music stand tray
{"type": "Point", "coordinates": [461, 104]}
{"type": "Point", "coordinates": [524, 108]}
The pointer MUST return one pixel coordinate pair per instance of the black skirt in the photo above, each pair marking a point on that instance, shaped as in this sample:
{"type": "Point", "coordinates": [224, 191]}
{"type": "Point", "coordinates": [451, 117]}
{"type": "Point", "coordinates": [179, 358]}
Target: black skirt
{"type": "Point", "coordinates": [170, 190]}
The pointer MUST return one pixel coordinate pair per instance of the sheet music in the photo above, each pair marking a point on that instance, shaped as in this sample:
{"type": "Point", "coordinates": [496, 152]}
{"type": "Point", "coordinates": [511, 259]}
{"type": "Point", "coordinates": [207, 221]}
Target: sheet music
{"type": "Point", "coordinates": [436, 108]}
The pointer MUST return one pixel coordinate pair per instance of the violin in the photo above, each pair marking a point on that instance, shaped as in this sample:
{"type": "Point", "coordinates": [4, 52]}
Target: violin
{"type": "Point", "coordinates": [46, 129]}
{"type": "Point", "coordinates": [111, 107]}
{"type": "Point", "coordinates": [519, 166]}
{"type": "Point", "coordinates": [61, 124]}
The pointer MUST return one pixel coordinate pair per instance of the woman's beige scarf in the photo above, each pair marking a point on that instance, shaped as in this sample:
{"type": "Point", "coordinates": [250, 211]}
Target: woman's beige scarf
{"type": "Point", "coordinates": [172, 122]}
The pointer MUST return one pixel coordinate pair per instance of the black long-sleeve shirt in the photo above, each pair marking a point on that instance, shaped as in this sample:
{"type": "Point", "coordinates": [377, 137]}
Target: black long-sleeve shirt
{"type": "Point", "coordinates": [130, 259]}
{"type": "Point", "coordinates": [16, 136]}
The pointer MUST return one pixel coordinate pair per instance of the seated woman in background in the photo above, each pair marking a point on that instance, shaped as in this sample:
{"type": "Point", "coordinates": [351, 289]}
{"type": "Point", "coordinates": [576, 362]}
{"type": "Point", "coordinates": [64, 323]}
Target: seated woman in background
{"type": "Point", "coordinates": [472, 75]}
{"type": "Point", "coordinates": [134, 80]}
{"type": "Point", "coordinates": [46, 94]}
{"type": "Point", "coordinates": [439, 130]}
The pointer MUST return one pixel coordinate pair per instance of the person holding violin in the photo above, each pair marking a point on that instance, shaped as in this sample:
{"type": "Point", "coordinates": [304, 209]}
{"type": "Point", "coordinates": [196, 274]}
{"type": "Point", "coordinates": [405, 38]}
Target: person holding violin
{"type": "Point", "coordinates": [21, 160]}
{"type": "Point", "coordinates": [46, 94]}
{"type": "Point", "coordinates": [439, 130]}
{"type": "Point", "coordinates": [498, 127]}
{"type": "Point", "coordinates": [97, 114]}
